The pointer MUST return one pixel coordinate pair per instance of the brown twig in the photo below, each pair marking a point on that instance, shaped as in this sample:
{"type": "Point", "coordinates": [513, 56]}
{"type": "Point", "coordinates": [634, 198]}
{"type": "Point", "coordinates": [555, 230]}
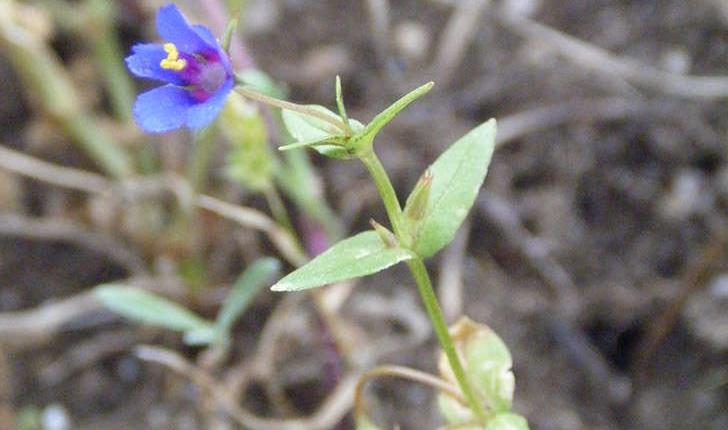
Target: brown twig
{"type": "Point", "coordinates": [328, 414]}
{"type": "Point", "coordinates": [32, 167]}
{"type": "Point", "coordinates": [405, 373]}
{"type": "Point", "coordinates": [457, 36]}
{"type": "Point", "coordinates": [131, 189]}
{"type": "Point", "coordinates": [695, 279]}
{"type": "Point", "coordinates": [283, 239]}
{"type": "Point", "coordinates": [51, 229]}
{"type": "Point", "coordinates": [85, 354]}
{"type": "Point", "coordinates": [595, 58]}
{"type": "Point", "coordinates": [24, 329]}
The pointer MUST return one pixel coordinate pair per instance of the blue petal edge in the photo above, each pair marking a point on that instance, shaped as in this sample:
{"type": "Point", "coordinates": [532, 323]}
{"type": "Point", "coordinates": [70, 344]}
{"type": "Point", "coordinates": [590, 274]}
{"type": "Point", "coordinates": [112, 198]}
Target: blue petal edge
{"type": "Point", "coordinates": [203, 114]}
{"type": "Point", "coordinates": [174, 28]}
{"type": "Point", "coordinates": [162, 109]}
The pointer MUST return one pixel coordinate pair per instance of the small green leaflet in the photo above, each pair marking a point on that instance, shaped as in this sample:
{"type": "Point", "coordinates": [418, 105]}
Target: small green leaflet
{"type": "Point", "coordinates": [389, 113]}
{"type": "Point", "coordinates": [457, 175]}
{"type": "Point", "coordinates": [359, 255]}
{"type": "Point", "coordinates": [317, 133]}
{"type": "Point", "coordinates": [148, 308]}
{"type": "Point", "coordinates": [250, 282]}
{"type": "Point", "coordinates": [310, 131]}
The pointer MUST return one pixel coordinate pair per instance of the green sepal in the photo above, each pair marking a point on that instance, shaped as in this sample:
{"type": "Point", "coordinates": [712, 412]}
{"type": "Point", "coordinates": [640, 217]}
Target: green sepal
{"type": "Point", "coordinates": [507, 421]}
{"type": "Point", "coordinates": [389, 113]}
{"type": "Point", "coordinates": [340, 103]}
{"type": "Point", "coordinates": [309, 131]}
{"type": "Point", "coordinates": [416, 204]}
{"type": "Point", "coordinates": [487, 364]}
{"type": "Point", "coordinates": [385, 235]}
{"type": "Point", "coordinates": [356, 256]}
{"type": "Point", "coordinates": [229, 30]}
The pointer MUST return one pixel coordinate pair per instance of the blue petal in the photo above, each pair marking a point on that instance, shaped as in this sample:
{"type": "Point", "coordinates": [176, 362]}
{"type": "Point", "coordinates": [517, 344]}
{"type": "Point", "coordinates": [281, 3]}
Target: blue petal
{"type": "Point", "coordinates": [206, 35]}
{"type": "Point", "coordinates": [144, 63]}
{"type": "Point", "coordinates": [162, 109]}
{"type": "Point", "coordinates": [173, 27]}
{"type": "Point", "coordinates": [202, 114]}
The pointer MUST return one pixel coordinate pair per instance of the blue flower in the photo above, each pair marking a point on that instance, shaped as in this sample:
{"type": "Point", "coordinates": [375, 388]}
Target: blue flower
{"type": "Point", "coordinates": [196, 69]}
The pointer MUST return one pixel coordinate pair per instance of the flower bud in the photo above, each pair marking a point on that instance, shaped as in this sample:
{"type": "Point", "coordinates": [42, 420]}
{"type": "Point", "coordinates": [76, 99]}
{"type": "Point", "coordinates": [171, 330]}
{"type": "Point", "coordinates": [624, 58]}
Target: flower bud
{"type": "Point", "coordinates": [416, 205]}
{"type": "Point", "coordinates": [487, 364]}
{"type": "Point", "coordinates": [386, 236]}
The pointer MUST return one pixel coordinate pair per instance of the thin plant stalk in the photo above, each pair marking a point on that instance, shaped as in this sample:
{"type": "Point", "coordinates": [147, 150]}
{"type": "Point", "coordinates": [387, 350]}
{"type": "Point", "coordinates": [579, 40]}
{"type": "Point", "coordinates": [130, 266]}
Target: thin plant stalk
{"type": "Point", "coordinates": [424, 284]}
{"type": "Point", "coordinates": [306, 110]}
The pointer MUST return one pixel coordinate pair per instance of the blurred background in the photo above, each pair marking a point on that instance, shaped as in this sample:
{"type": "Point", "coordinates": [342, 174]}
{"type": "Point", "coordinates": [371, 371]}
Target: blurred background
{"type": "Point", "coordinates": [596, 249]}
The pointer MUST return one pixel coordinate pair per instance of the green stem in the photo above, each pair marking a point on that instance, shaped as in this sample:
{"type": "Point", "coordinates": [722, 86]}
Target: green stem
{"type": "Point", "coordinates": [277, 208]}
{"type": "Point", "coordinates": [306, 110]}
{"type": "Point", "coordinates": [419, 272]}
{"type": "Point", "coordinates": [389, 197]}
{"type": "Point", "coordinates": [200, 159]}
{"type": "Point", "coordinates": [107, 52]}
{"type": "Point", "coordinates": [99, 145]}
{"type": "Point", "coordinates": [422, 279]}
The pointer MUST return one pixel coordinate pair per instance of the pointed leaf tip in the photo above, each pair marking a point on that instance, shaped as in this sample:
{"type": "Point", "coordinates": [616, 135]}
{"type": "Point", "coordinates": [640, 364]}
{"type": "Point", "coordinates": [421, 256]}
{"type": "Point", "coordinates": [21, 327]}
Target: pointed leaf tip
{"type": "Point", "coordinates": [356, 256]}
{"type": "Point", "coordinates": [457, 176]}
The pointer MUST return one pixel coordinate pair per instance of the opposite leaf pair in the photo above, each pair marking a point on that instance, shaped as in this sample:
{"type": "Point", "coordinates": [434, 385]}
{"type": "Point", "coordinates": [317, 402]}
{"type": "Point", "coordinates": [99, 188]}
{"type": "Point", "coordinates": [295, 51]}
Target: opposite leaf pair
{"type": "Point", "coordinates": [456, 177]}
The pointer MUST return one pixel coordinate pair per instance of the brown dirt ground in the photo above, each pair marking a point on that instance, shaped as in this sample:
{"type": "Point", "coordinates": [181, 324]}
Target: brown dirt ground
{"type": "Point", "coordinates": [597, 248]}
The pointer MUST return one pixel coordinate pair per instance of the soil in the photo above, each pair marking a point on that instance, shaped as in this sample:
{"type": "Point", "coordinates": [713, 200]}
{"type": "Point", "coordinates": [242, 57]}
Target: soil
{"type": "Point", "coordinates": [597, 248]}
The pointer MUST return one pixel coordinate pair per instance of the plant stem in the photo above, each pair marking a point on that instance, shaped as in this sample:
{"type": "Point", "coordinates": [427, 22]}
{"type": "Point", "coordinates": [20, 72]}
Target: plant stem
{"type": "Point", "coordinates": [200, 159]}
{"type": "Point", "coordinates": [107, 51]}
{"type": "Point", "coordinates": [419, 272]}
{"type": "Point", "coordinates": [422, 279]}
{"type": "Point", "coordinates": [277, 208]}
{"type": "Point", "coordinates": [306, 110]}
{"type": "Point", "coordinates": [389, 197]}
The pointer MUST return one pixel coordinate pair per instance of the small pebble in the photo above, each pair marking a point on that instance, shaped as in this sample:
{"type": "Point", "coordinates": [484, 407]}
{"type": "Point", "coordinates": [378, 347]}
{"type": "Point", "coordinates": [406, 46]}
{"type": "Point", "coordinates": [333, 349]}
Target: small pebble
{"type": "Point", "coordinates": [55, 417]}
{"type": "Point", "coordinates": [676, 60]}
{"type": "Point", "coordinates": [707, 313]}
{"type": "Point", "coordinates": [412, 40]}
{"type": "Point", "coordinates": [522, 7]}
{"type": "Point", "coordinates": [688, 195]}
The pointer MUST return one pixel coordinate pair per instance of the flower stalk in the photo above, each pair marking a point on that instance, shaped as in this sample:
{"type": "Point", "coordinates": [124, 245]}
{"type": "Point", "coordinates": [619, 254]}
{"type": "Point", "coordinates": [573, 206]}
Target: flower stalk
{"type": "Point", "coordinates": [422, 279]}
{"type": "Point", "coordinates": [282, 104]}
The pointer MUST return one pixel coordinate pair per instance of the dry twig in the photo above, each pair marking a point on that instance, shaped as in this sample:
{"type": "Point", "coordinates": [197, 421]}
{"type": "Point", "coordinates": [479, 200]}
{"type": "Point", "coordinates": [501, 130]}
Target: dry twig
{"type": "Point", "coordinates": [51, 229]}
{"type": "Point", "coordinates": [598, 59]}
{"type": "Point", "coordinates": [329, 413]}
{"type": "Point", "coordinates": [25, 329]}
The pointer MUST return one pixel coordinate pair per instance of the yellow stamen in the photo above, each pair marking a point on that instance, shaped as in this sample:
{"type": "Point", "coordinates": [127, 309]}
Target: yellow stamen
{"type": "Point", "coordinates": [172, 62]}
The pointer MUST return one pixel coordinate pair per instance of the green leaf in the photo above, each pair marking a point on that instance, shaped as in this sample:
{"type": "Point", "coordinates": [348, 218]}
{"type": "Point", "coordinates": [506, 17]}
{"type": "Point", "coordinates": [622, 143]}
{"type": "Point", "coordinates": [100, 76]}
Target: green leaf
{"type": "Point", "coordinates": [246, 287]}
{"type": "Point", "coordinates": [148, 308]}
{"type": "Point", "coordinates": [457, 176]}
{"type": "Point", "coordinates": [201, 336]}
{"type": "Point", "coordinates": [359, 255]}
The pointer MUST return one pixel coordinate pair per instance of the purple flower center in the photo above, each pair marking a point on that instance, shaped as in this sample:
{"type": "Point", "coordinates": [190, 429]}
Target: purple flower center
{"type": "Point", "coordinates": [202, 73]}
